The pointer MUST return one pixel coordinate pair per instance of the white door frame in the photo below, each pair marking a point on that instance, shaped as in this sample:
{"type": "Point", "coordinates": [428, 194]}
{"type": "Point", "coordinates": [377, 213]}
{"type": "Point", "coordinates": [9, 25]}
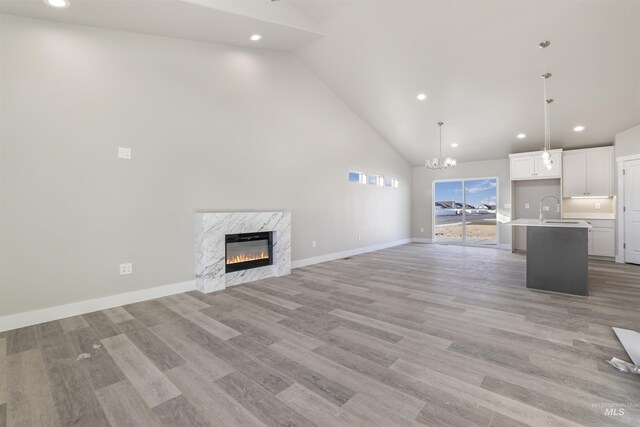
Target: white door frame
{"type": "Point", "coordinates": [620, 197]}
{"type": "Point", "coordinates": [464, 202]}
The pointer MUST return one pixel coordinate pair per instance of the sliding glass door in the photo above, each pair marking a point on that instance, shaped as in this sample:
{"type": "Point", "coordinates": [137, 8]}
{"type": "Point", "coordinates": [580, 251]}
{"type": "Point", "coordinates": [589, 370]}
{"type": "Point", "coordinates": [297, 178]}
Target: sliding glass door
{"type": "Point", "coordinates": [447, 212]}
{"type": "Point", "coordinates": [464, 211]}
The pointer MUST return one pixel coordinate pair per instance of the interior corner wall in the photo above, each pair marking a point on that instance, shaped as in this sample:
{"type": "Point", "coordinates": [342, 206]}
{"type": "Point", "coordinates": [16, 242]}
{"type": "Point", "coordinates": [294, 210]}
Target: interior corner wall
{"type": "Point", "coordinates": [422, 197]}
{"type": "Point", "coordinates": [211, 127]}
{"type": "Point", "coordinates": [627, 143]}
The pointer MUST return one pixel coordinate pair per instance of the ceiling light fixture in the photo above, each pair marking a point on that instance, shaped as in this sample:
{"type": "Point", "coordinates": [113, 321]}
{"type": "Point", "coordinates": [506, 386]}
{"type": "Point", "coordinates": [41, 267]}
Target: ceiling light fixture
{"type": "Point", "coordinates": [421, 96]}
{"type": "Point", "coordinates": [579, 128]}
{"type": "Point", "coordinates": [521, 135]}
{"type": "Point", "coordinates": [439, 162]}
{"type": "Point", "coordinates": [454, 145]}
{"type": "Point", "coordinates": [546, 154]}
{"type": "Point", "coordinates": [58, 4]}
{"type": "Point", "coordinates": [255, 37]}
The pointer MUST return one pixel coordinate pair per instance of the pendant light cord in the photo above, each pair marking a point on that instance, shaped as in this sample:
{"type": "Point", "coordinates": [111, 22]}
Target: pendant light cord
{"type": "Point", "coordinates": [547, 133]}
{"type": "Point", "coordinates": [440, 151]}
{"type": "Point", "coordinates": [546, 100]}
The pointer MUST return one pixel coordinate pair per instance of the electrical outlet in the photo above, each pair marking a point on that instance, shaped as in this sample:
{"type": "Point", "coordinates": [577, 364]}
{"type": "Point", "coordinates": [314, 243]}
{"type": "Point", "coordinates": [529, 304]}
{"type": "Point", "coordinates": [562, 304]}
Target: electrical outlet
{"type": "Point", "coordinates": [597, 205]}
{"type": "Point", "coordinates": [526, 205]}
{"type": "Point", "coordinates": [124, 153]}
{"type": "Point", "coordinates": [507, 205]}
{"type": "Point", "coordinates": [422, 229]}
{"type": "Point", "coordinates": [126, 268]}
{"type": "Point", "coordinates": [313, 244]}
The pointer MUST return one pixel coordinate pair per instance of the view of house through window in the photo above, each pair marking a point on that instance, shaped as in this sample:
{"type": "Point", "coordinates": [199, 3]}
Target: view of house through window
{"type": "Point", "coordinates": [464, 211]}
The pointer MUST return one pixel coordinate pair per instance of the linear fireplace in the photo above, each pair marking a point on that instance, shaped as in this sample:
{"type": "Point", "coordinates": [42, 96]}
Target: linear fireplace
{"type": "Point", "coordinates": [211, 247]}
{"type": "Point", "coordinates": [248, 250]}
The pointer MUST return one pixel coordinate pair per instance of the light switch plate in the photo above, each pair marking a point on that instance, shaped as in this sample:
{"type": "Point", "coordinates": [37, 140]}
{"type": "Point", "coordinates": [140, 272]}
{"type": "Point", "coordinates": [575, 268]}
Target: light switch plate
{"type": "Point", "coordinates": [124, 153]}
{"type": "Point", "coordinates": [526, 205]}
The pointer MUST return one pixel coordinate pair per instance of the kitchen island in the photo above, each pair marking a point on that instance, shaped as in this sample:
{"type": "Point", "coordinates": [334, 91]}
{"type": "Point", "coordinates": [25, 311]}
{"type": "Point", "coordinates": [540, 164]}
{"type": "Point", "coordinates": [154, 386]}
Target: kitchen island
{"type": "Point", "coordinates": [557, 255]}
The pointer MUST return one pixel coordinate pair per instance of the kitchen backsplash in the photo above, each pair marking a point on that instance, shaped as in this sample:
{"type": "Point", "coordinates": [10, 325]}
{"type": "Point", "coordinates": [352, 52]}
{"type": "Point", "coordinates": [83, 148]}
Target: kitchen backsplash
{"type": "Point", "coordinates": [582, 206]}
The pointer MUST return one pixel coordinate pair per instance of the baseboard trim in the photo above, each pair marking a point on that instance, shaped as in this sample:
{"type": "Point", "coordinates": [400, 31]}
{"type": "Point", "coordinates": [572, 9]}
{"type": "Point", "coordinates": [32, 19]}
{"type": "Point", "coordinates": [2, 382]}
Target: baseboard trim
{"type": "Point", "coordinates": [29, 318]}
{"type": "Point", "coordinates": [34, 317]}
{"type": "Point", "coordinates": [338, 255]}
{"type": "Point", "coordinates": [504, 246]}
{"type": "Point", "coordinates": [421, 240]}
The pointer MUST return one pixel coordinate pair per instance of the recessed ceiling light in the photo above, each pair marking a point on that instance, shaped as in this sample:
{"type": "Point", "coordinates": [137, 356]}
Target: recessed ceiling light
{"type": "Point", "coordinates": [58, 4]}
{"type": "Point", "coordinates": [579, 128]}
{"type": "Point", "coordinates": [521, 135]}
{"type": "Point", "coordinates": [421, 96]}
{"type": "Point", "coordinates": [255, 37]}
{"type": "Point", "coordinates": [454, 145]}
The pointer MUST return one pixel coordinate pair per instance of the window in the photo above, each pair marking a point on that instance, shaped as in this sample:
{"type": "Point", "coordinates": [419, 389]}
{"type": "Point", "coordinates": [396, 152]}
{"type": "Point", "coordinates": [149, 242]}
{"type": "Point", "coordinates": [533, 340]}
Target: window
{"type": "Point", "coordinates": [375, 180]}
{"type": "Point", "coordinates": [390, 181]}
{"type": "Point", "coordinates": [464, 211]}
{"type": "Point", "coordinates": [357, 177]}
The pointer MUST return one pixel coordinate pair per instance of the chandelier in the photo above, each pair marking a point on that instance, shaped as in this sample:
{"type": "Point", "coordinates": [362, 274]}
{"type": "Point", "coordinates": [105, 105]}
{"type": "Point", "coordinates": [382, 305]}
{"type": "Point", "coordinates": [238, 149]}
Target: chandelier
{"type": "Point", "coordinates": [546, 154]}
{"type": "Point", "coordinates": [440, 162]}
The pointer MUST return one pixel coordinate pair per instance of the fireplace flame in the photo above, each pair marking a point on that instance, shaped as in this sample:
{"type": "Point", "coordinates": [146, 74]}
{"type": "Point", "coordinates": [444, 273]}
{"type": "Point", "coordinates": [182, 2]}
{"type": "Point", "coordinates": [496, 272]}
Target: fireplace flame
{"type": "Point", "coordinates": [247, 257]}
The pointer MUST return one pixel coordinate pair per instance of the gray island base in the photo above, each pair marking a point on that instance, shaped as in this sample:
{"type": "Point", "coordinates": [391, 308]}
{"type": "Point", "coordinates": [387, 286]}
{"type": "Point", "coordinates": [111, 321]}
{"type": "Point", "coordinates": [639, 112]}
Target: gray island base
{"type": "Point", "coordinates": [557, 256]}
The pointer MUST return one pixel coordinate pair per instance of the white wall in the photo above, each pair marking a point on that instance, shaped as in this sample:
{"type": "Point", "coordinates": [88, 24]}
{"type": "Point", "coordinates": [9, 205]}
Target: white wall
{"type": "Point", "coordinates": [628, 142]}
{"type": "Point", "coordinates": [423, 198]}
{"type": "Point", "coordinates": [212, 128]}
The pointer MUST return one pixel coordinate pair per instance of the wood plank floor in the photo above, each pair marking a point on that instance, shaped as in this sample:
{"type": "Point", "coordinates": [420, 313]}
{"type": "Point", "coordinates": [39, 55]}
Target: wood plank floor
{"type": "Point", "coordinates": [409, 336]}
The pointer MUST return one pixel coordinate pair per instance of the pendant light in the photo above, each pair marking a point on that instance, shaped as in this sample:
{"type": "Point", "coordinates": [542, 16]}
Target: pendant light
{"type": "Point", "coordinates": [440, 162]}
{"type": "Point", "coordinates": [546, 154]}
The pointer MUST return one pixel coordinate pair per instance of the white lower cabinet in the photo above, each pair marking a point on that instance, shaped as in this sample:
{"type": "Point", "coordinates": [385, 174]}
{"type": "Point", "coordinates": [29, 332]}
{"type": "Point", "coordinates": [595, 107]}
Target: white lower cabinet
{"type": "Point", "coordinates": [602, 239]}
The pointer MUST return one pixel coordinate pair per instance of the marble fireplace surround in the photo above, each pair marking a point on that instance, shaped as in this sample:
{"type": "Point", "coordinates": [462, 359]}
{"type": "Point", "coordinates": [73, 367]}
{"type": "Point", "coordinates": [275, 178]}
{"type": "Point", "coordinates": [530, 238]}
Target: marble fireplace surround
{"type": "Point", "coordinates": [211, 228]}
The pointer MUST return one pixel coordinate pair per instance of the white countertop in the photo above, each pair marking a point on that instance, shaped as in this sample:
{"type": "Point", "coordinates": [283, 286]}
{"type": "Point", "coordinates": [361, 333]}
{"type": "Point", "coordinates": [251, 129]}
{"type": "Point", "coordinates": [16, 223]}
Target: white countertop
{"type": "Point", "coordinates": [525, 222]}
{"type": "Point", "coordinates": [571, 215]}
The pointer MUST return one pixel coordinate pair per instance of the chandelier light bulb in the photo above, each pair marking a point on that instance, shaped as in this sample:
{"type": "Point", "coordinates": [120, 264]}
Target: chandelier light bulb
{"type": "Point", "coordinates": [439, 162]}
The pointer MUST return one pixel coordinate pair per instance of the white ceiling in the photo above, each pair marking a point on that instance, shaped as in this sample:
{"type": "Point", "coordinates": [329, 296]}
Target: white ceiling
{"type": "Point", "coordinates": [281, 24]}
{"type": "Point", "coordinates": [480, 66]}
{"type": "Point", "coordinates": [477, 61]}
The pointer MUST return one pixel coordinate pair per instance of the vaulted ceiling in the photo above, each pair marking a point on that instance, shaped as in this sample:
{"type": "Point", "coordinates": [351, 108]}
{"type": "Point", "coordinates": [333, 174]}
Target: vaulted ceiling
{"type": "Point", "coordinates": [479, 64]}
{"type": "Point", "coordinates": [477, 61]}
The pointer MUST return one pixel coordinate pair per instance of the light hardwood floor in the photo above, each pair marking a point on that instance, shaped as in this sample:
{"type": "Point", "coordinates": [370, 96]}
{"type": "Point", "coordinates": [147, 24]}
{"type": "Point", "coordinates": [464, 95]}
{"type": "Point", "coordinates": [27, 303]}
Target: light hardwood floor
{"type": "Point", "coordinates": [409, 336]}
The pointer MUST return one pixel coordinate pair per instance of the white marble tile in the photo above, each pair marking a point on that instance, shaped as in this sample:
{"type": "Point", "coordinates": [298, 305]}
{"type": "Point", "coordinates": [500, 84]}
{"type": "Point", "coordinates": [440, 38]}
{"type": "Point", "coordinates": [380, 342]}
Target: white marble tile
{"type": "Point", "coordinates": [211, 228]}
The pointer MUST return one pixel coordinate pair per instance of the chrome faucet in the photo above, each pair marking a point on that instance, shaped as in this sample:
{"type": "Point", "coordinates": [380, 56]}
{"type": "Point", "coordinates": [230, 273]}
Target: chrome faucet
{"type": "Point", "coordinates": [542, 200]}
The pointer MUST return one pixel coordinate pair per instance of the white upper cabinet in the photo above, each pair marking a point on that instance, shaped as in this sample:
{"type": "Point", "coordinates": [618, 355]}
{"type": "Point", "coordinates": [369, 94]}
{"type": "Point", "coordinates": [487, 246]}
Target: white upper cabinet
{"type": "Point", "coordinates": [588, 172]}
{"type": "Point", "coordinates": [556, 169]}
{"type": "Point", "coordinates": [574, 179]}
{"type": "Point", "coordinates": [531, 166]}
{"type": "Point", "coordinates": [523, 167]}
{"type": "Point", "coordinates": [600, 172]}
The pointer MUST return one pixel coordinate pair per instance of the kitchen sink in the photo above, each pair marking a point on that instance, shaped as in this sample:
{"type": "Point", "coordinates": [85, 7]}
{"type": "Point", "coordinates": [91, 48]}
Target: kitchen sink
{"type": "Point", "coordinates": [560, 221]}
